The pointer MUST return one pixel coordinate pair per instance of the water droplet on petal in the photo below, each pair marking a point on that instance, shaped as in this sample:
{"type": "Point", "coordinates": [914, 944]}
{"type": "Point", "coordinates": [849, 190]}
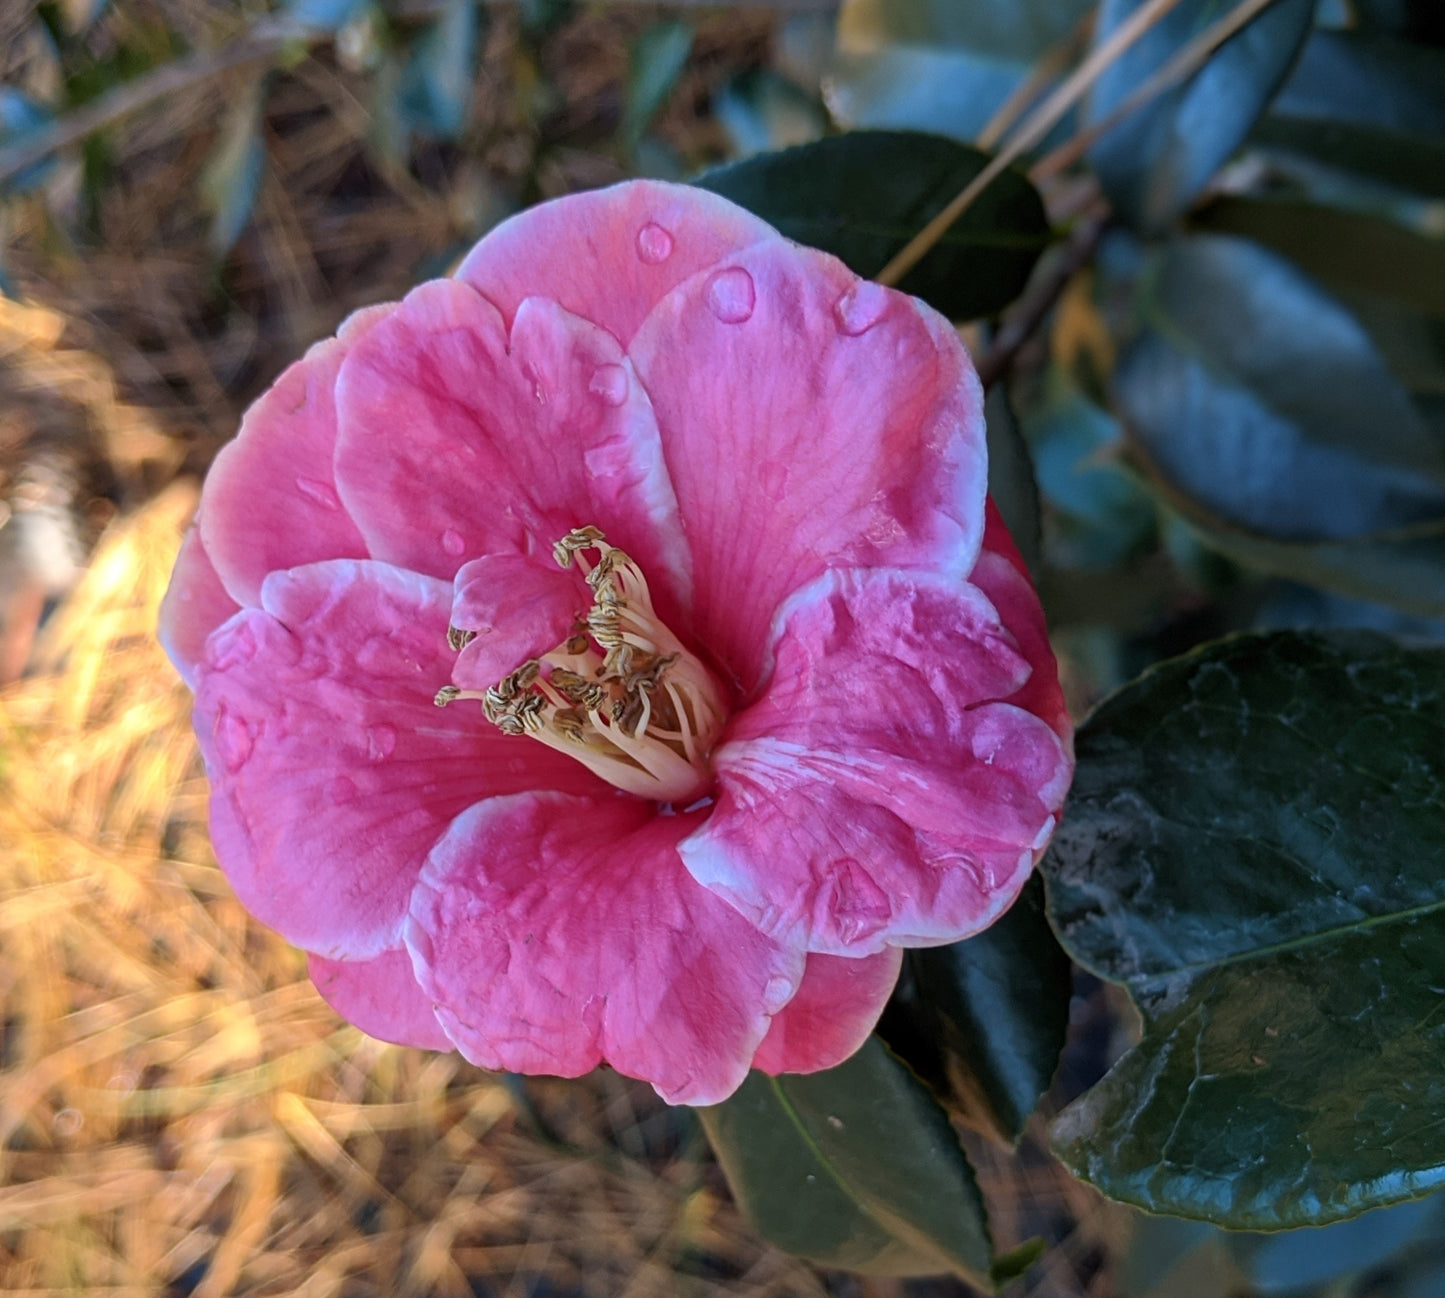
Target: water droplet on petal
{"type": "Point", "coordinates": [380, 742]}
{"type": "Point", "coordinates": [233, 740]}
{"type": "Point", "coordinates": [861, 307]}
{"type": "Point", "coordinates": [654, 244]}
{"type": "Point", "coordinates": [731, 295]}
{"type": "Point", "coordinates": [318, 492]}
{"type": "Point", "coordinates": [610, 383]}
{"type": "Point", "coordinates": [777, 992]}
{"type": "Point", "coordinates": [453, 542]}
{"type": "Point", "coordinates": [340, 791]}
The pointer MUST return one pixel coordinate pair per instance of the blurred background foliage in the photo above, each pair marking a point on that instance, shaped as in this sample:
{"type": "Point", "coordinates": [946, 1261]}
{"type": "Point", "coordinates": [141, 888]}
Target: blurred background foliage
{"type": "Point", "coordinates": [1201, 263]}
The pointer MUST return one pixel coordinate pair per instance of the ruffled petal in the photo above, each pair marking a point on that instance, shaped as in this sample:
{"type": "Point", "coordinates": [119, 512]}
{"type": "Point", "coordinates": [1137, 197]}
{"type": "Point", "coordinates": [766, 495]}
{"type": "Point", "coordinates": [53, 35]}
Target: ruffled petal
{"type": "Point", "coordinates": [518, 606]}
{"type": "Point", "coordinates": [555, 934]}
{"type": "Point", "coordinates": [877, 793]}
{"type": "Point", "coordinates": [332, 772]}
{"type": "Point", "coordinates": [271, 500]}
{"type": "Point", "coordinates": [838, 1004]}
{"type": "Point", "coordinates": [810, 420]}
{"type": "Point", "coordinates": [459, 441]}
{"type": "Point", "coordinates": [195, 604]}
{"type": "Point", "coordinates": [381, 996]}
{"type": "Point", "coordinates": [610, 254]}
{"type": "Point", "coordinates": [1003, 576]}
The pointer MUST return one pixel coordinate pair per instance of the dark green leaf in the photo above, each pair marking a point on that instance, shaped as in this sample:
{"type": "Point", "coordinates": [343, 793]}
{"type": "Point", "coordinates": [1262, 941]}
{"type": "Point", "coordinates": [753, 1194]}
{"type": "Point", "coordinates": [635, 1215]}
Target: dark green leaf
{"type": "Point", "coordinates": [232, 178]}
{"type": "Point", "coordinates": [1254, 846]}
{"type": "Point", "coordinates": [1157, 159]}
{"type": "Point", "coordinates": [1011, 1265]}
{"type": "Point", "coordinates": [855, 1167]}
{"type": "Point", "coordinates": [990, 1014]}
{"type": "Point", "coordinates": [1259, 408]}
{"type": "Point", "coordinates": [1364, 104]}
{"type": "Point", "coordinates": [659, 56]}
{"type": "Point", "coordinates": [945, 66]}
{"type": "Point", "coordinates": [1345, 250]}
{"type": "Point", "coordinates": [1011, 482]}
{"type": "Point", "coordinates": [863, 195]}
{"type": "Point", "coordinates": [436, 83]}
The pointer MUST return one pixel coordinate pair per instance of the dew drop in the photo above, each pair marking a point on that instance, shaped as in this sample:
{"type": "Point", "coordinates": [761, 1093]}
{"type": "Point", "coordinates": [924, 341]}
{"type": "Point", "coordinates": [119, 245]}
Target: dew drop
{"type": "Point", "coordinates": [318, 493]}
{"type": "Point", "coordinates": [731, 295]}
{"type": "Point", "coordinates": [453, 543]}
{"type": "Point", "coordinates": [861, 307]}
{"type": "Point", "coordinates": [380, 742]}
{"type": "Point", "coordinates": [340, 791]}
{"type": "Point", "coordinates": [654, 244]}
{"type": "Point", "coordinates": [609, 382]}
{"type": "Point", "coordinates": [773, 479]}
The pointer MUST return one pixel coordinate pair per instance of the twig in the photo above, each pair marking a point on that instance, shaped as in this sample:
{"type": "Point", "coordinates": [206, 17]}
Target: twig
{"type": "Point", "coordinates": [1034, 308]}
{"type": "Point", "coordinates": [1053, 61]}
{"type": "Point", "coordinates": [1037, 125]}
{"type": "Point", "coordinates": [1186, 62]}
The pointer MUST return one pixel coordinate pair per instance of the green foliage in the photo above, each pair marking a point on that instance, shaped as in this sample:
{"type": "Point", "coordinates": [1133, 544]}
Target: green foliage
{"type": "Point", "coordinates": [856, 1167]}
{"type": "Point", "coordinates": [863, 195]}
{"type": "Point", "coordinates": [1252, 846]}
{"type": "Point", "coordinates": [232, 179]}
{"type": "Point", "coordinates": [657, 60]}
{"type": "Point", "coordinates": [435, 91]}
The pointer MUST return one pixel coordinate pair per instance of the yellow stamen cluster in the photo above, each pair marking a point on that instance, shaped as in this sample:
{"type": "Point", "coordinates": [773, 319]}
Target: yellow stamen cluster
{"type": "Point", "coordinates": [620, 694]}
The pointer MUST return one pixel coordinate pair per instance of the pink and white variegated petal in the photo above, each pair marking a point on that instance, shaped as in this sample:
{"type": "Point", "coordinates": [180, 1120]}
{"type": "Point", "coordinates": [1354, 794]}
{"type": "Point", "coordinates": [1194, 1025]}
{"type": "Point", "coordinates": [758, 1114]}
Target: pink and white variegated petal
{"type": "Point", "coordinates": [195, 604]}
{"type": "Point", "coordinates": [271, 500]}
{"type": "Point", "coordinates": [333, 774]}
{"type": "Point", "coordinates": [877, 793]}
{"type": "Point", "coordinates": [838, 1004]}
{"type": "Point", "coordinates": [810, 420]}
{"type": "Point", "coordinates": [555, 934]}
{"type": "Point", "coordinates": [460, 439]}
{"type": "Point", "coordinates": [381, 996]}
{"type": "Point", "coordinates": [610, 254]}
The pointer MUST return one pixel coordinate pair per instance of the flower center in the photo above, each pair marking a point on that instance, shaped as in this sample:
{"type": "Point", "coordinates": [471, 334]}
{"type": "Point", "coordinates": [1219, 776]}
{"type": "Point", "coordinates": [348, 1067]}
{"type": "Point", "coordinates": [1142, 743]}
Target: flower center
{"type": "Point", "coordinates": [620, 694]}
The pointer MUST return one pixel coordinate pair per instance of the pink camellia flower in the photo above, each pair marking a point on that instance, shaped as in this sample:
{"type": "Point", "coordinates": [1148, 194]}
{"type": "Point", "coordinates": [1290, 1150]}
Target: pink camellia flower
{"type": "Point", "coordinates": [743, 687]}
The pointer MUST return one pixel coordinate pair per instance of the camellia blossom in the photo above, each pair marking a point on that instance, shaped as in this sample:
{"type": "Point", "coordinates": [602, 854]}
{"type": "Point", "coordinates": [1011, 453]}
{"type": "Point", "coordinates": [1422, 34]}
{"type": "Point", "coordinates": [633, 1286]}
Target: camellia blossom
{"type": "Point", "coordinates": [607, 654]}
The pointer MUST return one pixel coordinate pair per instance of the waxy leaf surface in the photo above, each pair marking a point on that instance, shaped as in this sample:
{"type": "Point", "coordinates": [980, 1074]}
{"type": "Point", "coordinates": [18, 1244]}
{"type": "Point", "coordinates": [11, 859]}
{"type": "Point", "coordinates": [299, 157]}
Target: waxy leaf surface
{"type": "Point", "coordinates": [1255, 847]}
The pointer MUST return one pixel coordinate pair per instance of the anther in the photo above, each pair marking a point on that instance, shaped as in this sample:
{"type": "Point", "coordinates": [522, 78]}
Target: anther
{"type": "Point", "coordinates": [447, 694]}
{"type": "Point", "coordinates": [458, 639]}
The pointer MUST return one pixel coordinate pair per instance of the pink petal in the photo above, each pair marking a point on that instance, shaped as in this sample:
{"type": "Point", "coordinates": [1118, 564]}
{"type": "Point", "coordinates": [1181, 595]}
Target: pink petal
{"type": "Point", "coordinates": [877, 793]}
{"type": "Point", "coordinates": [195, 604]}
{"type": "Point", "coordinates": [837, 1006]}
{"type": "Point", "coordinates": [270, 498]}
{"type": "Point", "coordinates": [519, 606]}
{"type": "Point", "coordinates": [1003, 576]}
{"type": "Point", "coordinates": [810, 420]}
{"type": "Point", "coordinates": [459, 441]}
{"type": "Point", "coordinates": [556, 933]}
{"type": "Point", "coordinates": [381, 997]}
{"type": "Point", "coordinates": [332, 772]}
{"type": "Point", "coordinates": [611, 254]}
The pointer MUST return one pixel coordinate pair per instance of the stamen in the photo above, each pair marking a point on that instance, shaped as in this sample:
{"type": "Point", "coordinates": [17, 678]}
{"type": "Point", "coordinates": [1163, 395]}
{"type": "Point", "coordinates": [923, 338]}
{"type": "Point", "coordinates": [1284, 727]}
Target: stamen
{"type": "Point", "coordinates": [621, 694]}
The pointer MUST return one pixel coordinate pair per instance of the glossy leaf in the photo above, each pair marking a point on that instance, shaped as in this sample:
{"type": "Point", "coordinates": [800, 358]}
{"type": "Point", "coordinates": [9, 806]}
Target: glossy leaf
{"type": "Point", "coordinates": [863, 195]}
{"type": "Point", "coordinates": [1364, 104]}
{"type": "Point", "coordinates": [1259, 408]}
{"type": "Point", "coordinates": [1154, 162]}
{"type": "Point", "coordinates": [659, 56]}
{"type": "Point", "coordinates": [945, 66]}
{"type": "Point", "coordinates": [231, 181]}
{"type": "Point", "coordinates": [984, 1020]}
{"type": "Point", "coordinates": [1253, 846]}
{"type": "Point", "coordinates": [855, 1167]}
{"type": "Point", "coordinates": [1011, 482]}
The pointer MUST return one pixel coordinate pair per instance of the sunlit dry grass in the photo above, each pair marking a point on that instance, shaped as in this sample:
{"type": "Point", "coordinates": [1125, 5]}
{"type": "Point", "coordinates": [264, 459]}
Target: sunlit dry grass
{"type": "Point", "coordinates": [180, 1113]}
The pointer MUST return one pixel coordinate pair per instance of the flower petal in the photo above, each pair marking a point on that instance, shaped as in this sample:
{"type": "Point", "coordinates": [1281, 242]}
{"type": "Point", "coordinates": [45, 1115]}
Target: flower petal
{"type": "Point", "coordinates": [609, 254]}
{"type": "Point", "coordinates": [810, 420]}
{"type": "Point", "coordinates": [332, 772]}
{"type": "Point", "coordinates": [877, 793]}
{"type": "Point", "coordinates": [838, 1004]}
{"type": "Point", "coordinates": [195, 604]}
{"type": "Point", "coordinates": [555, 934]}
{"type": "Point", "coordinates": [459, 441]}
{"type": "Point", "coordinates": [271, 500]}
{"type": "Point", "coordinates": [381, 997]}
{"type": "Point", "coordinates": [519, 606]}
